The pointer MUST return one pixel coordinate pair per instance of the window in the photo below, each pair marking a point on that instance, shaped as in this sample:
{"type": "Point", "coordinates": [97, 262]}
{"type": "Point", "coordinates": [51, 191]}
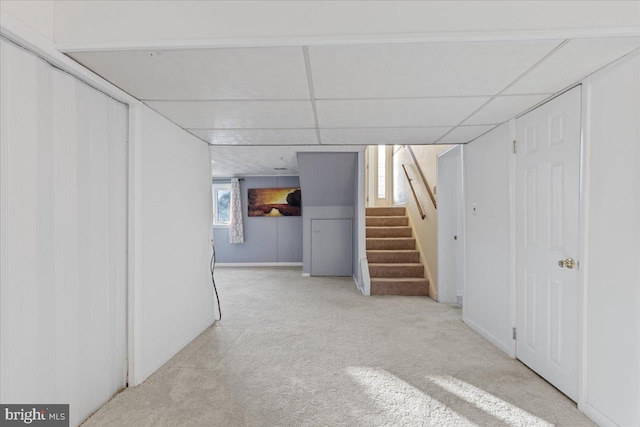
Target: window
{"type": "Point", "coordinates": [221, 204]}
{"type": "Point", "coordinates": [398, 178]}
{"type": "Point", "coordinates": [382, 175]}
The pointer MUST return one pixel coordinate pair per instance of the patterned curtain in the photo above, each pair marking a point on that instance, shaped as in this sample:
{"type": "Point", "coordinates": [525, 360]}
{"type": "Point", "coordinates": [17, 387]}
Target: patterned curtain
{"type": "Point", "coordinates": [236, 232]}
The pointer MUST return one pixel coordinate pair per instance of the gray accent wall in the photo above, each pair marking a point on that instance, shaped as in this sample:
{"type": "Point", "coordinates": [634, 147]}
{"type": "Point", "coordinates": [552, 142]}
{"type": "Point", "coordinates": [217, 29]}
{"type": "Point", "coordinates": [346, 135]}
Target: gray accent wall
{"type": "Point", "coordinates": [329, 189]}
{"type": "Point", "coordinates": [266, 239]}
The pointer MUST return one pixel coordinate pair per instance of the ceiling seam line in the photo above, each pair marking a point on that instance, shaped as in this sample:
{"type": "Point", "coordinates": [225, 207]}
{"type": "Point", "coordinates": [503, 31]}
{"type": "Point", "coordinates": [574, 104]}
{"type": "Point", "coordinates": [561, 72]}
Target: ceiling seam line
{"type": "Point", "coordinates": [227, 100]}
{"type": "Point", "coordinates": [260, 129]}
{"type": "Point", "coordinates": [312, 95]}
{"type": "Point", "coordinates": [171, 121]}
{"type": "Point", "coordinates": [288, 145]}
{"type": "Point", "coordinates": [573, 85]}
{"type": "Point", "coordinates": [520, 77]}
{"type": "Point", "coordinates": [336, 128]}
{"type": "Point", "coordinates": [367, 98]}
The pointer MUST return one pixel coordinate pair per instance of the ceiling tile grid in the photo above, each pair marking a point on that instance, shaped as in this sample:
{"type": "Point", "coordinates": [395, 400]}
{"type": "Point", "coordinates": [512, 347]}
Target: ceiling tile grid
{"type": "Point", "coordinates": [373, 136]}
{"type": "Point", "coordinates": [503, 108]}
{"type": "Point", "coordinates": [375, 113]}
{"type": "Point", "coordinates": [232, 160]}
{"type": "Point", "coordinates": [422, 69]}
{"type": "Point", "coordinates": [237, 114]}
{"type": "Point", "coordinates": [255, 104]}
{"type": "Point", "coordinates": [257, 136]}
{"type": "Point", "coordinates": [572, 62]}
{"type": "Point", "coordinates": [213, 74]}
{"type": "Point", "coordinates": [464, 134]}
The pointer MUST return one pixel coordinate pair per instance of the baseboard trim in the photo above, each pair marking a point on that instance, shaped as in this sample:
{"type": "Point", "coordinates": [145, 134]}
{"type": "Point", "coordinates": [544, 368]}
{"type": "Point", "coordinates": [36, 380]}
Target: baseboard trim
{"type": "Point", "coordinates": [259, 264]}
{"type": "Point", "coordinates": [596, 416]}
{"type": "Point", "coordinates": [358, 287]}
{"type": "Point", "coordinates": [306, 274]}
{"type": "Point", "coordinates": [490, 337]}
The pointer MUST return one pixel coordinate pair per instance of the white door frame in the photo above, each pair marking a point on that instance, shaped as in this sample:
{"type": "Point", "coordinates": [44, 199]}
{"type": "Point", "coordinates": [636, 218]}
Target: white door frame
{"type": "Point", "coordinates": [447, 288]}
{"type": "Point", "coordinates": [583, 235]}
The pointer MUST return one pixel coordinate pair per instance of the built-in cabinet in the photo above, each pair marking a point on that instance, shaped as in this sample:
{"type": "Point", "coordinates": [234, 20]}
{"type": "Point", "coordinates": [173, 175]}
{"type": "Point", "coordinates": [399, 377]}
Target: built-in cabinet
{"type": "Point", "coordinates": [331, 247]}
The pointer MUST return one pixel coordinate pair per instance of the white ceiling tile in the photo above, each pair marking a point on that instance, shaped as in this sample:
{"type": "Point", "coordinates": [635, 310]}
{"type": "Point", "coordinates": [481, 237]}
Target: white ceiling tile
{"type": "Point", "coordinates": [257, 161]}
{"type": "Point", "coordinates": [382, 135]}
{"type": "Point", "coordinates": [243, 161]}
{"type": "Point", "coordinates": [503, 108]}
{"type": "Point", "coordinates": [464, 134]}
{"type": "Point", "coordinates": [257, 136]}
{"type": "Point", "coordinates": [237, 114]}
{"type": "Point", "coordinates": [574, 61]}
{"type": "Point", "coordinates": [396, 112]}
{"type": "Point", "coordinates": [246, 73]}
{"type": "Point", "coordinates": [422, 69]}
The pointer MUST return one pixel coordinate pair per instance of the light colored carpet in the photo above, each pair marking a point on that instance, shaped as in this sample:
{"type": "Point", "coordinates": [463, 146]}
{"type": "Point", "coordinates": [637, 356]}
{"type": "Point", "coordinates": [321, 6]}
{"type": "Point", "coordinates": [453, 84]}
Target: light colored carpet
{"type": "Point", "coordinates": [294, 351]}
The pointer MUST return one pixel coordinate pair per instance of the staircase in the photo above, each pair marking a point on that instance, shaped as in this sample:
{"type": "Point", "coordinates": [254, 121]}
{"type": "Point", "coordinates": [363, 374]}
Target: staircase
{"type": "Point", "coordinates": [394, 262]}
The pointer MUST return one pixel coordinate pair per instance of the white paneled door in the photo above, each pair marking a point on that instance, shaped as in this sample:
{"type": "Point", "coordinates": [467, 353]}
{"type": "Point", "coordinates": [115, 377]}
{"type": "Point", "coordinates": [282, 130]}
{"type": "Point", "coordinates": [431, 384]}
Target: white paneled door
{"type": "Point", "coordinates": [547, 238]}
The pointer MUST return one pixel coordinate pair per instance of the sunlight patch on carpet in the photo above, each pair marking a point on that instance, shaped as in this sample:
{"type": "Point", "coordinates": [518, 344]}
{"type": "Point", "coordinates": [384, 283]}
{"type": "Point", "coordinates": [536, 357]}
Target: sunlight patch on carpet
{"type": "Point", "coordinates": [487, 402]}
{"type": "Point", "coordinates": [400, 403]}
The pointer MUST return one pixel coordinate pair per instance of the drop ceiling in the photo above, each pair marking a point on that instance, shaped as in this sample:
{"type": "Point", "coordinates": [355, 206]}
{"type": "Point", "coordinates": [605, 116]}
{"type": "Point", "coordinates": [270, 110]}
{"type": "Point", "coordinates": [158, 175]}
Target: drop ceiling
{"type": "Point", "coordinates": [358, 94]}
{"type": "Point", "coordinates": [260, 161]}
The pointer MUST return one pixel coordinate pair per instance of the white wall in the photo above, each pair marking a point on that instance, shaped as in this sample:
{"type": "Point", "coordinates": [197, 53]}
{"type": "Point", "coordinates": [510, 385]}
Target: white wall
{"type": "Point", "coordinates": [170, 296]}
{"type": "Point", "coordinates": [488, 292]}
{"type": "Point", "coordinates": [424, 230]}
{"type": "Point", "coordinates": [610, 376]}
{"type": "Point", "coordinates": [173, 295]}
{"type": "Point", "coordinates": [63, 154]}
{"type": "Point", "coordinates": [611, 387]}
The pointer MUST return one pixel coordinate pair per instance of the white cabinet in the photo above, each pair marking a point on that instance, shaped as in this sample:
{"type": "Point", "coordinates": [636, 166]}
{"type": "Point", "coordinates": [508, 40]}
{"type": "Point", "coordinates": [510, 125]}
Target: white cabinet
{"type": "Point", "coordinates": [331, 247]}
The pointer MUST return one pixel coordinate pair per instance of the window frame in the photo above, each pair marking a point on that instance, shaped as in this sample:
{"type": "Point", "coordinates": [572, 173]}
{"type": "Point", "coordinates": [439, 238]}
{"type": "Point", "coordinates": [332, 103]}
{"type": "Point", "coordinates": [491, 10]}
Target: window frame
{"type": "Point", "coordinates": [381, 184]}
{"type": "Point", "coordinates": [215, 188]}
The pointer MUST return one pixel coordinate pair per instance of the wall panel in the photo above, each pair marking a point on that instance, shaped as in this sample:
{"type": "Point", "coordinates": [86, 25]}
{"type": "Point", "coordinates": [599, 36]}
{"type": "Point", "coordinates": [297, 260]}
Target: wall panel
{"type": "Point", "coordinates": [63, 157]}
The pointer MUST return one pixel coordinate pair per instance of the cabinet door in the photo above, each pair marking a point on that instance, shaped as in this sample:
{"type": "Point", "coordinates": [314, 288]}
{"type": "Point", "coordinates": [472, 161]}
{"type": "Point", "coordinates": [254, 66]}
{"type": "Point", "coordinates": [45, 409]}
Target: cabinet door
{"type": "Point", "coordinates": [331, 246]}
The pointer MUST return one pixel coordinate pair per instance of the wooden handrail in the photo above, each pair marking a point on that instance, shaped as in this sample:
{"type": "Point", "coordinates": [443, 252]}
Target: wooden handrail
{"type": "Point", "coordinates": [422, 215]}
{"type": "Point", "coordinates": [424, 180]}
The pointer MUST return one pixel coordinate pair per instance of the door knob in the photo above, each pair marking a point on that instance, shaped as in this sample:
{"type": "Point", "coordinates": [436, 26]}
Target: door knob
{"type": "Point", "coordinates": [569, 263]}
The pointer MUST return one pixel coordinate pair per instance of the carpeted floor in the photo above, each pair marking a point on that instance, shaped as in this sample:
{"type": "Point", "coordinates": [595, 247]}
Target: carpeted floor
{"type": "Point", "coordinates": [294, 351]}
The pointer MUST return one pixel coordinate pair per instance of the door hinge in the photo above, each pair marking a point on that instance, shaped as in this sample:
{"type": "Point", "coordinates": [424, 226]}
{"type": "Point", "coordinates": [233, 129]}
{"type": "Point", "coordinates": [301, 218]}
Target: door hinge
{"type": "Point", "coordinates": [515, 335]}
{"type": "Point", "coordinates": [515, 146]}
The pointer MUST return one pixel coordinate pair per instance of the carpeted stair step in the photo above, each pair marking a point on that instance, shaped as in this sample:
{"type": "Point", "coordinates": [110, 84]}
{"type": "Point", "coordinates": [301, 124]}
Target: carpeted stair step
{"type": "Point", "coordinates": [399, 256]}
{"type": "Point", "coordinates": [388, 231]}
{"type": "Point", "coordinates": [386, 243]}
{"type": "Point", "coordinates": [410, 286]}
{"type": "Point", "coordinates": [396, 270]}
{"type": "Point", "coordinates": [387, 221]}
{"type": "Point", "coordinates": [386, 211]}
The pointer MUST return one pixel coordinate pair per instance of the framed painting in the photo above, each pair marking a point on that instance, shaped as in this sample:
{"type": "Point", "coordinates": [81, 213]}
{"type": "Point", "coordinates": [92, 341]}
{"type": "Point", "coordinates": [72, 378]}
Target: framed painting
{"type": "Point", "coordinates": [275, 202]}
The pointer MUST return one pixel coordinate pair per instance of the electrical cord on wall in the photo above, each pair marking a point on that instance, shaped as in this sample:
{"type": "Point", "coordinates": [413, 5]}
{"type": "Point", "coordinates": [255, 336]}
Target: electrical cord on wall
{"type": "Point", "coordinates": [212, 266]}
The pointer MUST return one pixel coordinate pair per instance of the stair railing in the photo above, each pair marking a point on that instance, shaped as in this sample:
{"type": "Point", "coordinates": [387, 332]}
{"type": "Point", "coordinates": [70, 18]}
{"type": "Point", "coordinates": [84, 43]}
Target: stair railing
{"type": "Point", "coordinates": [424, 179]}
{"type": "Point", "coordinates": [422, 215]}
